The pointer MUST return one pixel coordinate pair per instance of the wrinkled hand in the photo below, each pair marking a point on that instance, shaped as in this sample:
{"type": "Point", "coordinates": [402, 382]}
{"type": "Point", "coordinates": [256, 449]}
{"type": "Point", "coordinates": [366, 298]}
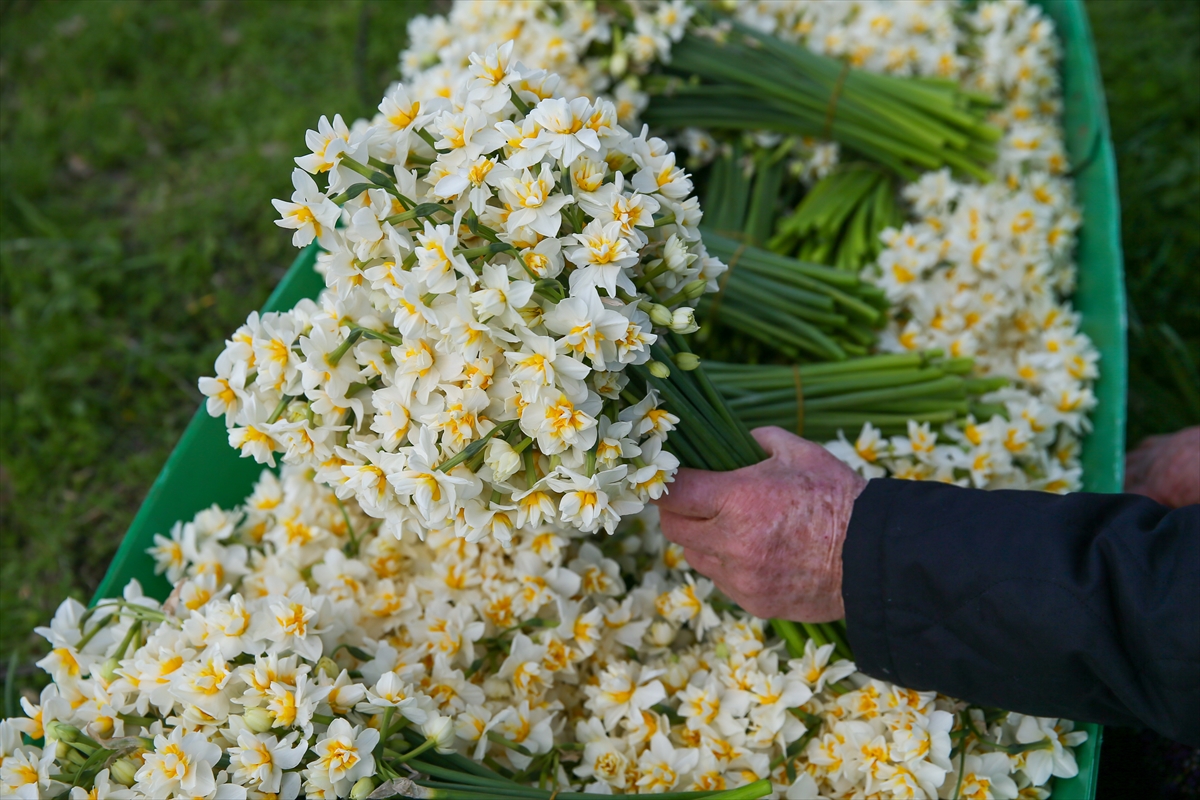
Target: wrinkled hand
{"type": "Point", "coordinates": [1166, 468]}
{"type": "Point", "coordinates": [770, 535]}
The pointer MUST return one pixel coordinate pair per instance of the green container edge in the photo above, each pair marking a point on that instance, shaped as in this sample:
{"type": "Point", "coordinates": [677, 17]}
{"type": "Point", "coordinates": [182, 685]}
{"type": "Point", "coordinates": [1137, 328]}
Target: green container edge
{"type": "Point", "coordinates": [203, 469]}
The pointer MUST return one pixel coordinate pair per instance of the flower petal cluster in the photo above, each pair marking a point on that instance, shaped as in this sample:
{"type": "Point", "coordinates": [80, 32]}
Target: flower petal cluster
{"type": "Point", "coordinates": [604, 665]}
{"type": "Point", "coordinates": [493, 262]}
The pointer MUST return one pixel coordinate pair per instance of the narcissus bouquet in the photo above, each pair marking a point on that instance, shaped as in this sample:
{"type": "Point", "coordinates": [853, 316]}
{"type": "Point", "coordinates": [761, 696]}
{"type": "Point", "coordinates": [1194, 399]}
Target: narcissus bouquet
{"type": "Point", "coordinates": [306, 653]}
{"type": "Point", "coordinates": [499, 267]}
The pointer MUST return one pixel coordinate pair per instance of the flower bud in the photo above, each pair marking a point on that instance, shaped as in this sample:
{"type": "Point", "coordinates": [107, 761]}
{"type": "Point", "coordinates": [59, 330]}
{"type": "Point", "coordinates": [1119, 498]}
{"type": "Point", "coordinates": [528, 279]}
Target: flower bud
{"type": "Point", "coordinates": [102, 728]}
{"type": "Point", "coordinates": [108, 670]}
{"type": "Point", "coordinates": [619, 63]}
{"type": "Point", "coordinates": [683, 320]}
{"type": "Point", "coordinates": [123, 771]}
{"type": "Point", "coordinates": [660, 315]}
{"type": "Point", "coordinates": [676, 254]}
{"type": "Point", "coordinates": [677, 674]}
{"type": "Point", "coordinates": [329, 667]}
{"type": "Point", "coordinates": [687, 361]}
{"type": "Point", "coordinates": [695, 288]}
{"type": "Point", "coordinates": [658, 369]}
{"type": "Point", "coordinates": [503, 460]}
{"type": "Point", "coordinates": [496, 688]}
{"type": "Point", "coordinates": [662, 633]}
{"type": "Point", "coordinates": [441, 730]}
{"type": "Point", "coordinates": [259, 720]}
{"type": "Point", "coordinates": [362, 789]}
{"type": "Point", "coordinates": [62, 731]}
{"type": "Point", "coordinates": [73, 757]}
{"type": "Point", "coordinates": [62, 750]}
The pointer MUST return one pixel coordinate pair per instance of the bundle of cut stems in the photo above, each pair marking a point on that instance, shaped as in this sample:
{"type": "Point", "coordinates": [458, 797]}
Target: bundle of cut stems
{"type": "Point", "coordinates": [711, 436]}
{"type": "Point", "coordinates": [742, 193]}
{"type": "Point", "coordinates": [819, 400]}
{"type": "Point", "coordinates": [840, 219]}
{"type": "Point", "coordinates": [749, 80]}
{"type": "Point", "coordinates": [804, 311]}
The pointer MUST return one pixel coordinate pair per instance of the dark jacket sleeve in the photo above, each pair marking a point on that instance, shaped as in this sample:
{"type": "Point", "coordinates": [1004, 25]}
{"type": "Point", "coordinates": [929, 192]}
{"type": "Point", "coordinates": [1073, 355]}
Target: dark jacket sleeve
{"type": "Point", "coordinates": [1083, 606]}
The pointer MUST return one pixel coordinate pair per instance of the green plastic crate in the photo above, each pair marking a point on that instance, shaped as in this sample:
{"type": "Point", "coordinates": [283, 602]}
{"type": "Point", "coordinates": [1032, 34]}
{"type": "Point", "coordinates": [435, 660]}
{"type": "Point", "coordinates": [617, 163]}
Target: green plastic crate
{"type": "Point", "coordinates": [203, 469]}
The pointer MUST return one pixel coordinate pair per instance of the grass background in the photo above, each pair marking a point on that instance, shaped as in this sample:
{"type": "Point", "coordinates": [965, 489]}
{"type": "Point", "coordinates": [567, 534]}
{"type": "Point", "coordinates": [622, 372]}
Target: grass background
{"type": "Point", "coordinates": [141, 143]}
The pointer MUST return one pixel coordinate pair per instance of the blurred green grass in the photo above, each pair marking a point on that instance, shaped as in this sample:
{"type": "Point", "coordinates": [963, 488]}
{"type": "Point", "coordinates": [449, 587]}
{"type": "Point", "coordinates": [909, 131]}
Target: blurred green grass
{"type": "Point", "coordinates": [141, 144]}
{"type": "Point", "coordinates": [1149, 53]}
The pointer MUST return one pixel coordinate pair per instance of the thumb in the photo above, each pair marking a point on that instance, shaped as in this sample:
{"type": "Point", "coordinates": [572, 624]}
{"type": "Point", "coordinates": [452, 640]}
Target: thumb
{"type": "Point", "coordinates": [788, 448]}
{"type": "Point", "coordinates": [776, 441]}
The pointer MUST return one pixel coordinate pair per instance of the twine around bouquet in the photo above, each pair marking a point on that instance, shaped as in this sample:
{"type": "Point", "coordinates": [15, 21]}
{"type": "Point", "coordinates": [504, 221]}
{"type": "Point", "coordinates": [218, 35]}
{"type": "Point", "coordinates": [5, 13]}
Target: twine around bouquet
{"type": "Point", "coordinates": [799, 399]}
{"type": "Point", "coordinates": [720, 294]}
{"type": "Point", "coordinates": [831, 110]}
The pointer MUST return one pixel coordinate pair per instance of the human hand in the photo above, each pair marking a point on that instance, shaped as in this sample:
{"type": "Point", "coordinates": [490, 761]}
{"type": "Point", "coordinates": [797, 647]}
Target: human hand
{"type": "Point", "coordinates": [769, 535]}
{"type": "Point", "coordinates": [1166, 468]}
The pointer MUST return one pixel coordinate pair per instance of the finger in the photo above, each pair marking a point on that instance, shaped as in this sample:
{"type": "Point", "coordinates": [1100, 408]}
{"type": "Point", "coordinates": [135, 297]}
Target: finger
{"type": "Point", "coordinates": [695, 493]}
{"type": "Point", "coordinates": [690, 533]}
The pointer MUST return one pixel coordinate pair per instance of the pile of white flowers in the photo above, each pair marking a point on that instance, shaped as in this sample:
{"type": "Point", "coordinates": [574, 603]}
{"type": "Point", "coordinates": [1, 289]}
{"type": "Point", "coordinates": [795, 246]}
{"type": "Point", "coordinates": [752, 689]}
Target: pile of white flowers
{"type": "Point", "coordinates": [982, 271]}
{"type": "Point", "coordinates": [304, 651]}
{"type": "Point", "coordinates": [495, 260]}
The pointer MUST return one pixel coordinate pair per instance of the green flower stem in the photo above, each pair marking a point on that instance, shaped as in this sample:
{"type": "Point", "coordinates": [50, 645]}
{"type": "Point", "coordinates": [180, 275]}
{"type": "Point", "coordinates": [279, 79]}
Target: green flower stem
{"type": "Point", "coordinates": [474, 447]}
{"type": "Point", "coordinates": [352, 545]}
{"type": "Point", "coordinates": [333, 358]}
{"type": "Point", "coordinates": [791, 636]}
{"type": "Point", "coordinates": [416, 751]}
{"type": "Point", "coordinates": [504, 741]}
{"type": "Point", "coordinates": [133, 631]}
{"type": "Point", "coordinates": [280, 408]}
{"type": "Point", "coordinates": [428, 137]}
{"type": "Point", "coordinates": [530, 461]}
{"type": "Point", "coordinates": [383, 732]}
{"type": "Point", "coordinates": [422, 210]}
{"type": "Point", "coordinates": [101, 625]}
{"type": "Point", "coordinates": [834, 631]}
{"type": "Point", "coordinates": [393, 339]}
{"type": "Point", "coordinates": [815, 633]}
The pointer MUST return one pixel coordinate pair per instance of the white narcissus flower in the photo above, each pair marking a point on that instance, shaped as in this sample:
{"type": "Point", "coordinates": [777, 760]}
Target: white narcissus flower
{"type": "Point", "coordinates": [603, 257]}
{"type": "Point", "coordinates": [227, 391]}
{"type": "Point", "coordinates": [260, 759]}
{"type": "Point", "coordinates": [344, 754]}
{"type": "Point", "coordinates": [534, 201]}
{"type": "Point", "coordinates": [181, 763]}
{"type": "Point", "coordinates": [330, 143]}
{"type": "Point", "coordinates": [661, 766]}
{"type": "Point", "coordinates": [310, 212]}
{"type": "Point", "coordinates": [291, 623]}
{"type": "Point", "coordinates": [22, 774]}
{"type": "Point", "coordinates": [1056, 759]}
{"type": "Point", "coordinates": [588, 328]}
{"type": "Point", "coordinates": [433, 491]}
{"type": "Point", "coordinates": [539, 362]}
{"type": "Point", "coordinates": [531, 728]}
{"type": "Point", "coordinates": [624, 691]}
{"type": "Point", "coordinates": [562, 134]}
{"type": "Point", "coordinates": [390, 691]}
{"type": "Point", "coordinates": [438, 265]}
{"type": "Point", "coordinates": [103, 788]}
{"type": "Point", "coordinates": [987, 775]}
{"type": "Point", "coordinates": [592, 503]}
